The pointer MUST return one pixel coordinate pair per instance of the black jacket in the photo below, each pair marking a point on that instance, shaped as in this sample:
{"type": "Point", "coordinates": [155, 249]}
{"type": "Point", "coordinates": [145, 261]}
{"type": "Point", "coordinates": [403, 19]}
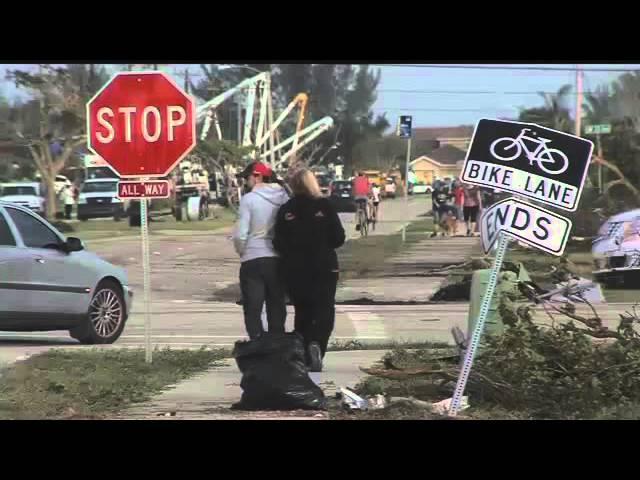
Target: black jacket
{"type": "Point", "coordinates": [307, 232]}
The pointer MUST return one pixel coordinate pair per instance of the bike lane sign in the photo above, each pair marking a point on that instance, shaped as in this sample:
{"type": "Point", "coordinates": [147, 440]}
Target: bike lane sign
{"type": "Point", "coordinates": [528, 160]}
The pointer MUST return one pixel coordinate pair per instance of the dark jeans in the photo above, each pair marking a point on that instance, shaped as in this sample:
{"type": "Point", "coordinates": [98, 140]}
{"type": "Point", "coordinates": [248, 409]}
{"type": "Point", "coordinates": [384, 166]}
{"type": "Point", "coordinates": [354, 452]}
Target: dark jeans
{"type": "Point", "coordinates": [260, 282]}
{"type": "Point", "coordinates": [313, 296]}
{"type": "Point", "coordinates": [67, 211]}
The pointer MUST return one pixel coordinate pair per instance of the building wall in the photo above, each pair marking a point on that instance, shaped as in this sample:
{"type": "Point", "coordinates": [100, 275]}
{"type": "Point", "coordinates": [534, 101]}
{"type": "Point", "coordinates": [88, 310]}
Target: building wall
{"type": "Point", "coordinates": [427, 172]}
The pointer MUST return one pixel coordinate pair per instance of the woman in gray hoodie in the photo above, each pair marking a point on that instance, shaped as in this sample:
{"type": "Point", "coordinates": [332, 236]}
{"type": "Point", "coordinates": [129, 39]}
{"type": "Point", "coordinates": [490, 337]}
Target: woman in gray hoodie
{"type": "Point", "coordinates": [260, 280]}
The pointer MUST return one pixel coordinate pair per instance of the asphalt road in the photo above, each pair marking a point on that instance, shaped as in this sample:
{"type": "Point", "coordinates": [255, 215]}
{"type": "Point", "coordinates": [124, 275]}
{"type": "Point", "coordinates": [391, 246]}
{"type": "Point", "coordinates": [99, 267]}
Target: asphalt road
{"type": "Point", "coordinates": [186, 269]}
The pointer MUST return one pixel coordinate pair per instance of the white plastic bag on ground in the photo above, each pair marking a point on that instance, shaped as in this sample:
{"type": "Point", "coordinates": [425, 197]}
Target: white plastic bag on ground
{"type": "Point", "coordinates": [443, 406]}
{"type": "Point", "coordinates": [352, 401]}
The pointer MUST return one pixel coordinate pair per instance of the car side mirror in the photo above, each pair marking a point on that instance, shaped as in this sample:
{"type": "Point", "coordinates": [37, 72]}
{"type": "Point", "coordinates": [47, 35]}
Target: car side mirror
{"type": "Point", "coordinates": [74, 244]}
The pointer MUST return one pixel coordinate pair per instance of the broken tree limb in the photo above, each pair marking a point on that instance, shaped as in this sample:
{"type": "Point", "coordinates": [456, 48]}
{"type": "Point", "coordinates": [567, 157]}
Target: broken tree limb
{"type": "Point", "coordinates": [622, 180]}
{"type": "Point", "coordinates": [403, 374]}
{"type": "Point", "coordinates": [410, 401]}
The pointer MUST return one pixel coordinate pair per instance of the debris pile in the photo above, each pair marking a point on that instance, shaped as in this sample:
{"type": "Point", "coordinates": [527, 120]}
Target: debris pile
{"type": "Point", "coordinates": [575, 368]}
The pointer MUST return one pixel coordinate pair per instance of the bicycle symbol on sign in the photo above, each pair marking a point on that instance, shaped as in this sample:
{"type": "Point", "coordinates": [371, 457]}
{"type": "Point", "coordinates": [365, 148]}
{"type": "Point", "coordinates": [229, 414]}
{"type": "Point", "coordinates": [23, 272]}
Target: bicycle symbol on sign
{"type": "Point", "coordinates": [557, 162]}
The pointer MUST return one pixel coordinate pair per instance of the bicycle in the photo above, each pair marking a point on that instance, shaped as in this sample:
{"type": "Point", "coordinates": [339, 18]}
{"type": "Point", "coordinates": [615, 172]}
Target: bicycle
{"type": "Point", "coordinates": [541, 155]}
{"type": "Point", "coordinates": [374, 216]}
{"type": "Point", "coordinates": [362, 219]}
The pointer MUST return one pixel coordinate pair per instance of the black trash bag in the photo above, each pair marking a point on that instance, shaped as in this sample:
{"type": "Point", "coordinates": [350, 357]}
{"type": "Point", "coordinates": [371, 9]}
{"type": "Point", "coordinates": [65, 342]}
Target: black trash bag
{"type": "Point", "coordinates": [275, 375]}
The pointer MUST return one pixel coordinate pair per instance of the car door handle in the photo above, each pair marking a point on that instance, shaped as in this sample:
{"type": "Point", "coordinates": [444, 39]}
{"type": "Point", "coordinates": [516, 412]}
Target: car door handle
{"type": "Point", "coordinates": [39, 260]}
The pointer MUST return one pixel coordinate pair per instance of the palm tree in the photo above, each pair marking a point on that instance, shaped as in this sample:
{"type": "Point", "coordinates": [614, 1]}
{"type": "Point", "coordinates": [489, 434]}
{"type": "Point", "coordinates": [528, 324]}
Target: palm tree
{"type": "Point", "coordinates": [555, 112]}
{"type": "Point", "coordinates": [597, 107]}
{"type": "Point", "coordinates": [626, 98]}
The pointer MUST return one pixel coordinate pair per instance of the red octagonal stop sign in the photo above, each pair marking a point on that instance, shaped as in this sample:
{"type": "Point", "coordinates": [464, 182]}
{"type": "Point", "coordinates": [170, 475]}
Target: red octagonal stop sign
{"type": "Point", "coordinates": [141, 123]}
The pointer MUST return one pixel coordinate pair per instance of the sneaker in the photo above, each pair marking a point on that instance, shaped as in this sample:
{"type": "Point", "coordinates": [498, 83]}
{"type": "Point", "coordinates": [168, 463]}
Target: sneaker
{"type": "Point", "coordinates": [315, 356]}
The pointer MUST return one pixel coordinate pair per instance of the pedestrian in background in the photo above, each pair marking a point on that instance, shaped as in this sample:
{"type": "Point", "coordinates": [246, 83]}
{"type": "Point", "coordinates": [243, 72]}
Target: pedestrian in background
{"type": "Point", "coordinates": [472, 204]}
{"type": "Point", "coordinates": [375, 196]}
{"type": "Point", "coordinates": [439, 199]}
{"type": "Point", "coordinates": [260, 280]}
{"type": "Point", "coordinates": [307, 232]}
{"type": "Point", "coordinates": [458, 195]}
{"type": "Point", "coordinates": [68, 200]}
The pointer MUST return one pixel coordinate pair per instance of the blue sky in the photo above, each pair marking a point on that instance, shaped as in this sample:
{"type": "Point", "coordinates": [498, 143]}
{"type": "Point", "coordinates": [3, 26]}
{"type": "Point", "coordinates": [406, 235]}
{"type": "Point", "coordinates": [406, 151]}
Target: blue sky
{"type": "Point", "coordinates": [450, 109]}
{"type": "Point", "coordinates": [463, 105]}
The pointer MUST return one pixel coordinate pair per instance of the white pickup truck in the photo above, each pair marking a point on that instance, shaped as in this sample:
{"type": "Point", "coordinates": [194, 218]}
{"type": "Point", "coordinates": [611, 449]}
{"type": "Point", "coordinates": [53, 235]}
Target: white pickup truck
{"type": "Point", "coordinates": [25, 194]}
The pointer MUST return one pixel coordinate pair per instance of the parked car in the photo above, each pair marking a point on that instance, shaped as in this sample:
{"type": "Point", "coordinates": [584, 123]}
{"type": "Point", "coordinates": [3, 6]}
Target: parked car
{"type": "Point", "coordinates": [342, 196]}
{"type": "Point", "coordinates": [390, 187]}
{"type": "Point", "coordinates": [99, 198]}
{"type": "Point", "coordinates": [419, 188]}
{"type": "Point", "coordinates": [49, 282]}
{"type": "Point", "coordinates": [26, 194]}
{"type": "Point", "coordinates": [616, 251]}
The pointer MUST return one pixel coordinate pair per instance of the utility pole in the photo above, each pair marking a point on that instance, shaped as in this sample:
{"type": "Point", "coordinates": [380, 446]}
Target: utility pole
{"type": "Point", "coordinates": [239, 114]}
{"type": "Point", "coordinates": [578, 100]}
{"type": "Point", "coordinates": [599, 147]}
{"type": "Point", "coordinates": [406, 172]}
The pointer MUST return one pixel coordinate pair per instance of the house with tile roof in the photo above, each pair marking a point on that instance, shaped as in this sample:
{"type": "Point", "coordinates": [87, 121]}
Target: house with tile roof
{"type": "Point", "coordinates": [459, 137]}
{"type": "Point", "coordinates": [441, 163]}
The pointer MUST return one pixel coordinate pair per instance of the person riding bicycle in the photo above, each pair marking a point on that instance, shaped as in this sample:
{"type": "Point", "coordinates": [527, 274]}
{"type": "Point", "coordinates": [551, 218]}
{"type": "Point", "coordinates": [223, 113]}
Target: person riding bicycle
{"type": "Point", "coordinates": [361, 194]}
{"type": "Point", "coordinates": [375, 198]}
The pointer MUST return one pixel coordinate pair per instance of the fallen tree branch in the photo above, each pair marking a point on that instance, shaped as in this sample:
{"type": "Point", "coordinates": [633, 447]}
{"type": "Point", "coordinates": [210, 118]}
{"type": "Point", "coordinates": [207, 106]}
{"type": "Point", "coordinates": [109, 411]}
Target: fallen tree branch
{"type": "Point", "coordinates": [402, 374]}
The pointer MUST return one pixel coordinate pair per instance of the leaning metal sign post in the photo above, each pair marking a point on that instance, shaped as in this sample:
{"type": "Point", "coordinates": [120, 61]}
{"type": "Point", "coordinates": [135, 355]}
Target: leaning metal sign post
{"type": "Point", "coordinates": [142, 124]}
{"type": "Point", "coordinates": [530, 161]}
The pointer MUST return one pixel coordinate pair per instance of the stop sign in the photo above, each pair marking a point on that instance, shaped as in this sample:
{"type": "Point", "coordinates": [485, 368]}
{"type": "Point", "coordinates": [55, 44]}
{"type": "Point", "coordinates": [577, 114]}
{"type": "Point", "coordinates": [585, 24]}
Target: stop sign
{"type": "Point", "coordinates": [141, 123]}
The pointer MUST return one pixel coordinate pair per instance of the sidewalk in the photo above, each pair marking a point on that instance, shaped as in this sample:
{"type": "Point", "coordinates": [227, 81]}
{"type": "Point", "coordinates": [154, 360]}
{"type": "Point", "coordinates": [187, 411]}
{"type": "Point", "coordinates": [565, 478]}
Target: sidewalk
{"type": "Point", "coordinates": [210, 395]}
{"type": "Point", "coordinates": [404, 277]}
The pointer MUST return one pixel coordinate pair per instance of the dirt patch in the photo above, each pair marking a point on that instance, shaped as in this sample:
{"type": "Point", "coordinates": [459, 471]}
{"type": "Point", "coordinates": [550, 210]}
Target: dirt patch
{"type": "Point", "coordinates": [459, 291]}
{"type": "Point", "coordinates": [369, 301]}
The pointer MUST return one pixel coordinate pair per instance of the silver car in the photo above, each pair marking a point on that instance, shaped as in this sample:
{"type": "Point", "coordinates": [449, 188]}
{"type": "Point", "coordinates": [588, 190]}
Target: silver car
{"type": "Point", "coordinates": [49, 282]}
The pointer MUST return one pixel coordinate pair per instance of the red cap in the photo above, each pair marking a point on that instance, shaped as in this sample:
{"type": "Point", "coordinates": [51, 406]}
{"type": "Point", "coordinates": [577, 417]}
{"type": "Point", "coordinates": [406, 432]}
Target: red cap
{"type": "Point", "coordinates": [256, 168]}
{"type": "Point", "coordinates": [262, 169]}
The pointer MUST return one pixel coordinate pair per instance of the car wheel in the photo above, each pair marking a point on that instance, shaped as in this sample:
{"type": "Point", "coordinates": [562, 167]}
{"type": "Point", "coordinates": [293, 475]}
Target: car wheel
{"type": "Point", "coordinates": [106, 317]}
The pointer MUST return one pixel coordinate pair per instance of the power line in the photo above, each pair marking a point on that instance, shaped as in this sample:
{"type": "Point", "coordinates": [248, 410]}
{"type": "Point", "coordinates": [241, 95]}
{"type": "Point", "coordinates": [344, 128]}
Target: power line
{"type": "Point", "coordinates": [499, 67]}
{"type": "Point", "coordinates": [471, 92]}
{"type": "Point", "coordinates": [475, 110]}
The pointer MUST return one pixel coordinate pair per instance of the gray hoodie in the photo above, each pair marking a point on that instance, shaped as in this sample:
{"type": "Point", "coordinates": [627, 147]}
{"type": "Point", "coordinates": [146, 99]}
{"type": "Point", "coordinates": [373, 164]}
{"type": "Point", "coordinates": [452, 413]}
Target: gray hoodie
{"type": "Point", "coordinates": [253, 237]}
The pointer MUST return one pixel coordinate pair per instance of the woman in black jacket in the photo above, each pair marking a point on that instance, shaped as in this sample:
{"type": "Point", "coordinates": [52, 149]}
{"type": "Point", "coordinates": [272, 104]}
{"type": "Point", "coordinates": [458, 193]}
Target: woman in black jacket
{"type": "Point", "coordinates": [307, 232]}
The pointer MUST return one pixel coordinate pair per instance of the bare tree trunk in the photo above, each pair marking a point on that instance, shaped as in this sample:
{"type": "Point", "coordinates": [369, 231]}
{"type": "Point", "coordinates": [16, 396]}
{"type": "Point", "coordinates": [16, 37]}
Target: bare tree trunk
{"type": "Point", "coordinates": [52, 198]}
{"type": "Point", "coordinates": [621, 180]}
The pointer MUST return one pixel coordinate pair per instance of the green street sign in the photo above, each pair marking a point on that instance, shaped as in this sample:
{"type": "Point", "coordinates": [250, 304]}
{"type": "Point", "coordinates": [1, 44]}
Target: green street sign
{"type": "Point", "coordinates": [598, 129]}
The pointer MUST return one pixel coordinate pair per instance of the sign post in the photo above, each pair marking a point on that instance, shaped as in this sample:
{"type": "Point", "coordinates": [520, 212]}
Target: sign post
{"type": "Point", "coordinates": [404, 131]}
{"type": "Point", "coordinates": [146, 267]}
{"type": "Point", "coordinates": [142, 124]}
{"type": "Point", "coordinates": [530, 161]}
{"type": "Point", "coordinates": [479, 326]}
{"type": "Point", "coordinates": [598, 130]}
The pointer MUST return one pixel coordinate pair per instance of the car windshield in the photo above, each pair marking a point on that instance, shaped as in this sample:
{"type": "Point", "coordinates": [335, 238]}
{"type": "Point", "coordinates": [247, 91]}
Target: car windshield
{"type": "Point", "coordinates": [93, 187]}
{"type": "Point", "coordinates": [18, 190]}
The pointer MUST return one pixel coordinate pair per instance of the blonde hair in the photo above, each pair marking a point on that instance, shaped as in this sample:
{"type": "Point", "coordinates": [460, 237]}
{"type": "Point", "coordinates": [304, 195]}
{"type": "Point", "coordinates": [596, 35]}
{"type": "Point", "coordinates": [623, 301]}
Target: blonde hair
{"type": "Point", "coordinates": [303, 182]}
